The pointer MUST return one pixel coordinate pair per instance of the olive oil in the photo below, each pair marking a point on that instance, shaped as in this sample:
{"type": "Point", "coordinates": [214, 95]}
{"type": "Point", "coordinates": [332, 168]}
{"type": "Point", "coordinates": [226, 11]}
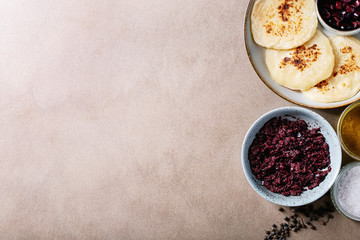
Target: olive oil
{"type": "Point", "coordinates": [350, 131]}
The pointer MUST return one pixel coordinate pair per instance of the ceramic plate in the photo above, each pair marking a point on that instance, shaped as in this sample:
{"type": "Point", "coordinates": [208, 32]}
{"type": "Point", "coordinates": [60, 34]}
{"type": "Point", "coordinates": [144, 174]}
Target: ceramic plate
{"type": "Point", "coordinates": [314, 120]}
{"type": "Point", "coordinates": [256, 55]}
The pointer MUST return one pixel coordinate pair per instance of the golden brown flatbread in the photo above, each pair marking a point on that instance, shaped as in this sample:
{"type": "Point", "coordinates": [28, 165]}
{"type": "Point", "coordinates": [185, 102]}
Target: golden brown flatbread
{"type": "Point", "coordinates": [344, 82]}
{"type": "Point", "coordinates": [303, 67]}
{"type": "Point", "coordinates": [283, 24]}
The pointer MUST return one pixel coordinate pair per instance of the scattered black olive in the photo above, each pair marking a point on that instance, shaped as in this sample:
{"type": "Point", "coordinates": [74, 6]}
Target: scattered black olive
{"type": "Point", "coordinates": [303, 224]}
{"type": "Point", "coordinates": [295, 222]}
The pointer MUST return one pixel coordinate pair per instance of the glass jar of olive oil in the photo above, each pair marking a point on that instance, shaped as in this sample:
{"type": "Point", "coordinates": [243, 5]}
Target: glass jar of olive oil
{"type": "Point", "coordinates": [348, 130]}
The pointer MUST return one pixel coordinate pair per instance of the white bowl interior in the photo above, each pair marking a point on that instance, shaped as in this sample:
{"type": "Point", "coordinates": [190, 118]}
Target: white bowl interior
{"type": "Point", "coordinates": [313, 120]}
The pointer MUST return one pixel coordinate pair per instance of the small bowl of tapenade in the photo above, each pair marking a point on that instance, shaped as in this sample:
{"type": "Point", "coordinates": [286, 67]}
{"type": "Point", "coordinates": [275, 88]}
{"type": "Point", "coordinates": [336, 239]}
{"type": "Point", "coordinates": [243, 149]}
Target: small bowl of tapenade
{"type": "Point", "coordinates": [340, 17]}
{"type": "Point", "coordinates": [291, 156]}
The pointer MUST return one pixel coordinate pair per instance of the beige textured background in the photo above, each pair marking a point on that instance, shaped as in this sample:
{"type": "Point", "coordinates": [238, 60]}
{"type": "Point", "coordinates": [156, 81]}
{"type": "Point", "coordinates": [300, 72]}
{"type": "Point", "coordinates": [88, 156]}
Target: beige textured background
{"type": "Point", "coordinates": [124, 120]}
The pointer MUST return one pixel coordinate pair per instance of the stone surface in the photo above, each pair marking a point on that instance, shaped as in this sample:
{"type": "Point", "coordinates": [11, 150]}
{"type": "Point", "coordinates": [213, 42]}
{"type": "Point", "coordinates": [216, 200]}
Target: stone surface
{"type": "Point", "coordinates": [124, 120]}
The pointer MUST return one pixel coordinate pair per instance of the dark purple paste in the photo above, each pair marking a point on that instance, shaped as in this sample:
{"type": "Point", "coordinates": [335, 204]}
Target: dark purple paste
{"type": "Point", "coordinates": [288, 157]}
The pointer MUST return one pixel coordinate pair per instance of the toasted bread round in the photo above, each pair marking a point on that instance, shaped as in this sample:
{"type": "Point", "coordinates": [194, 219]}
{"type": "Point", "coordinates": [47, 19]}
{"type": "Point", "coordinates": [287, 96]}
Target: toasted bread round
{"type": "Point", "coordinates": [303, 67]}
{"type": "Point", "coordinates": [344, 82]}
{"type": "Point", "coordinates": [283, 24]}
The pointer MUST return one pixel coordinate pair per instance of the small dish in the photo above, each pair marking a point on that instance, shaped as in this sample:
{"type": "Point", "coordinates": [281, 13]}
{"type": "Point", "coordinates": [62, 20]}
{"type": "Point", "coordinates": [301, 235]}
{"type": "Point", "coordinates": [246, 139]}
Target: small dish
{"type": "Point", "coordinates": [313, 120]}
{"type": "Point", "coordinates": [333, 192]}
{"type": "Point", "coordinates": [331, 29]}
{"type": "Point", "coordinates": [342, 135]}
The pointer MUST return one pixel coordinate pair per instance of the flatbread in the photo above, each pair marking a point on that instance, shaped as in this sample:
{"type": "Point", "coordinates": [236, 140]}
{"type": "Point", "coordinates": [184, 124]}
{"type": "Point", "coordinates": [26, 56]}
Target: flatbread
{"type": "Point", "coordinates": [303, 67]}
{"type": "Point", "coordinates": [283, 24]}
{"type": "Point", "coordinates": [344, 82]}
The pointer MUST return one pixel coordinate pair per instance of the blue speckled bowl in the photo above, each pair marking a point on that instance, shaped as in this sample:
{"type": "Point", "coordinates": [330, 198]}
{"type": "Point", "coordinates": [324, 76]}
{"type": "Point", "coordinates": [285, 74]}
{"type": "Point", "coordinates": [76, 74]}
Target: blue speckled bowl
{"type": "Point", "coordinates": [313, 120]}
